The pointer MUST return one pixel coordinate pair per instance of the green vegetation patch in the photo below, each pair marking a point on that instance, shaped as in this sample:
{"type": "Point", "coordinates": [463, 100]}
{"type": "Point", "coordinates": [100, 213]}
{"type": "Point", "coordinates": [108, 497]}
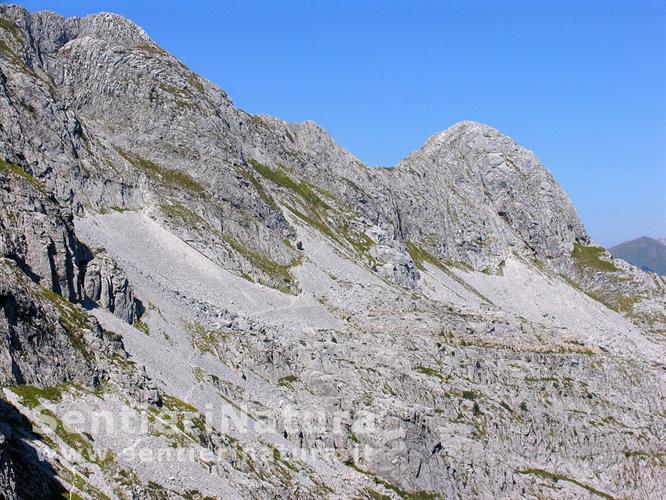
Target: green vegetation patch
{"type": "Point", "coordinates": [142, 327]}
{"type": "Point", "coordinates": [287, 381]}
{"type": "Point", "coordinates": [615, 301]}
{"type": "Point", "coordinates": [172, 178]}
{"type": "Point", "coordinates": [559, 477]}
{"type": "Point", "coordinates": [588, 257]}
{"type": "Point", "coordinates": [31, 396]}
{"type": "Point", "coordinates": [195, 495]}
{"type": "Point", "coordinates": [263, 194]}
{"type": "Point", "coordinates": [469, 395]}
{"type": "Point", "coordinates": [177, 211]}
{"type": "Point", "coordinates": [343, 236]}
{"type": "Point", "coordinates": [314, 205]}
{"type": "Point", "coordinates": [301, 188]}
{"type": "Point", "coordinates": [16, 171]}
{"type": "Point", "coordinates": [73, 319]}
{"type": "Point", "coordinates": [374, 495]}
{"type": "Point", "coordinates": [204, 341]}
{"type": "Point", "coordinates": [541, 379]}
{"type": "Point", "coordinates": [7, 52]}
{"type": "Point", "coordinates": [121, 361]}
{"type": "Point", "coordinates": [504, 405]}
{"type": "Point", "coordinates": [405, 495]}
{"type": "Point", "coordinates": [11, 27]}
{"type": "Point", "coordinates": [194, 81]}
{"type": "Point", "coordinates": [80, 483]}
{"type": "Point", "coordinates": [283, 469]}
{"type": "Point", "coordinates": [657, 457]}
{"type": "Point", "coordinates": [176, 91]}
{"type": "Point", "coordinates": [279, 273]}
{"type": "Point", "coordinates": [127, 477]}
{"type": "Point", "coordinates": [317, 223]}
{"type": "Point", "coordinates": [172, 403]}
{"type": "Point", "coordinates": [313, 209]}
{"type": "Point", "coordinates": [429, 371]}
{"type": "Point", "coordinates": [151, 48]}
{"type": "Point", "coordinates": [285, 281]}
{"type": "Point", "coordinates": [360, 241]}
{"type": "Point", "coordinates": [71, 438]}
{"type": "Point", "coordinates": [420, 256]}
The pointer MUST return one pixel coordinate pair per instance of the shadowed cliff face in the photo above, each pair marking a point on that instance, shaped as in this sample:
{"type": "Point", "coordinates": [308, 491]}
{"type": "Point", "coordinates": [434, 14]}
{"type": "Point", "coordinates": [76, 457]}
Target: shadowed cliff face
{"type": "Point", "coordinates": [447, 321]}
{"type": "Point", "coordinates": [23, 474]}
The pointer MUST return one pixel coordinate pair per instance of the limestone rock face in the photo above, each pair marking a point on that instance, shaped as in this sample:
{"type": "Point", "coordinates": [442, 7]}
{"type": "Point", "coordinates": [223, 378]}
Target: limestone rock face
{"type": "Point", "coordinates": [309, 326]}
{"type": "Point", "coordinates": [22, 472]}
{"type": "Point", "coordinates": [37, 348]}
{"type": "Point", "coordinates": [7, 480]}
{"type": "Point", "coordinates": [47, 340]}
{"type": "Point", "coordinates": [38, 235]}
{"type": "Point", "coordinates": [395, 265]}
{"type": "Point", "coordinates": [106, 283]}
{"type": "Point", "coordinates": [470, 194]}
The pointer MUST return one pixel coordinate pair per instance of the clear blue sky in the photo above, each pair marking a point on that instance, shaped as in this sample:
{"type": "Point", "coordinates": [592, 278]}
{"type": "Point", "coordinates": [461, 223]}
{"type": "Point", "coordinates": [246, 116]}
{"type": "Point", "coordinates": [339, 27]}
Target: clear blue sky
{"type": "Point", "coordinates": [581, 84]}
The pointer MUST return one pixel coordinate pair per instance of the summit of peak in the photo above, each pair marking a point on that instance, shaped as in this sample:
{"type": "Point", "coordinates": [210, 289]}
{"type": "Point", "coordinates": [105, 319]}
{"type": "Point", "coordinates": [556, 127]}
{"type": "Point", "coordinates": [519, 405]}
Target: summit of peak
{"type": "Point", "coordinates": [103, 25]}
{"type": "Point", "coordinates": [112, 27]}
{"type": "Point", "coordinates": [467, 127]}
{"type": "Point", "coordinates": [464, 129]}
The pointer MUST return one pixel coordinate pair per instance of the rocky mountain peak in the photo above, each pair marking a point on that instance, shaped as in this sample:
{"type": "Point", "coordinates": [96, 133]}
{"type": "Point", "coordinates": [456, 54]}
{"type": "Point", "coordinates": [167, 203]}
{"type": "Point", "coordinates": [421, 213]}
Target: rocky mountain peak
{"type": "Point", "coordinates": [51, 31]}
{"type": "Point", "coordinates": [499, 199]}
{"type": "Point", "coordinates": [113, 28]}
{"type": "Point", "coordinates": [465, 127]}
{"type": "Point", "coordinates": [441, 328]}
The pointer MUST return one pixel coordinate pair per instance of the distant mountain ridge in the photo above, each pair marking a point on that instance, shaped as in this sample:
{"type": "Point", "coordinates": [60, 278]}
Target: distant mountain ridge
{"type": "Point", "coordinates": [647, 253]}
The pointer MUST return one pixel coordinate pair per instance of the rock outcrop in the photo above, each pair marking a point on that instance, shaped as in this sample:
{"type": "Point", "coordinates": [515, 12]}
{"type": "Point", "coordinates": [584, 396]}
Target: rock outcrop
{"type": "Point", "coordinates": [472, 195]}
{"type": "Point", "coordinates": [469, 194]}
{"type": "Point", "coordinates": [309, 326]}
{"type": "Point", "coordinates": [38, 235]}
{"type": "Point", "coordinates": [38, 347]}
{"type": "Point", "coordinates": [23, 473]}
{"type": "Point", "coordinates": [106, 284]}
